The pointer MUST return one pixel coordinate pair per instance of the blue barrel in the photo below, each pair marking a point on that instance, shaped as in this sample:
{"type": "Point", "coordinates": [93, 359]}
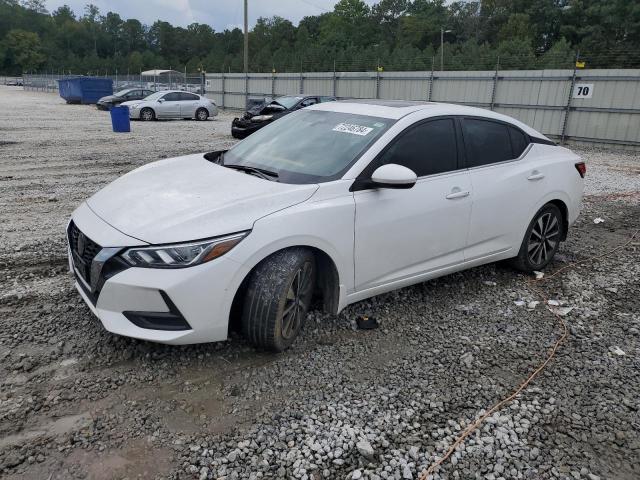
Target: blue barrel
{"type": "Point", "coordinates": [120, 119]}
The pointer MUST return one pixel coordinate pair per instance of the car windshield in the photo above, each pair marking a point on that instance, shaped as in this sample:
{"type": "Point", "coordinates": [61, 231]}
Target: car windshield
{"type": "Point", "coordinates": [122, 93]}
{"type": "Point", "coordinates": [309, 146]}
{"type": "Point", "coordinates": [287, 102]}
{"type": "Point", "coordinates": [155, 96]}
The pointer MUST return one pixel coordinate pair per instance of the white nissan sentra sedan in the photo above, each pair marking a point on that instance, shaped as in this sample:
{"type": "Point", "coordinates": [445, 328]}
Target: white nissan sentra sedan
{"type": "Point", "coordinates": [337, 202]}
{"type": "Point", "coordinates": [171, 104]}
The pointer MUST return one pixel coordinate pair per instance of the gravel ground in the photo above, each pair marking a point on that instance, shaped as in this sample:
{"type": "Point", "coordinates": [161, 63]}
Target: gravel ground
{"type": "Point", "coordinates": [78, 402]}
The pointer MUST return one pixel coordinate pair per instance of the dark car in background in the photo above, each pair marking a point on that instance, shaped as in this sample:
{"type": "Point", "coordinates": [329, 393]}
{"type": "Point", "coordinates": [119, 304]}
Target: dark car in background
{"type": "Point", "coordinates": [263, 113]}
{"type": "Point", "coordinates": [126, 95]}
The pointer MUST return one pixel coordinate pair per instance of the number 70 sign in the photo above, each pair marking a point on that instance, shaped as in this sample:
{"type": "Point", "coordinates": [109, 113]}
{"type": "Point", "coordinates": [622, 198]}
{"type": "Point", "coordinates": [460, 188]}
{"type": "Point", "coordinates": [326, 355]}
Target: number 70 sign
{"type": "Point", "coordinates": [583, 90]}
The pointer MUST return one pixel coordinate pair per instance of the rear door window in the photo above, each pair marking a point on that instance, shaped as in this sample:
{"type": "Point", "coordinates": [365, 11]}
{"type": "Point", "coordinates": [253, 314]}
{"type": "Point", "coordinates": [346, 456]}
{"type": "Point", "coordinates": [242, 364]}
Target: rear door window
{"type": "Point", "coordinates": [188, 97]}
{"type": "Point", "coordinates": [486, 142]}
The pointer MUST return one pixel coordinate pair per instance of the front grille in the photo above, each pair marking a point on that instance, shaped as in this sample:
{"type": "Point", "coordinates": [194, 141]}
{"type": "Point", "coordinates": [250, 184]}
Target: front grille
{"type": "Point", "coordinates": [83, 251]}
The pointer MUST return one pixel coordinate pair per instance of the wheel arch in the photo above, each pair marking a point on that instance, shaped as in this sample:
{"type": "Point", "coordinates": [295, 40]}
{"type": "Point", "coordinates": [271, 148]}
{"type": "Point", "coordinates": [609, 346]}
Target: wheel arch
{"type": "Point", "coordinates": [565, 216]}
{"type": "Point", "coordinates": [327, 282]}
{"type": "Point", "coordinates": [557, 198]}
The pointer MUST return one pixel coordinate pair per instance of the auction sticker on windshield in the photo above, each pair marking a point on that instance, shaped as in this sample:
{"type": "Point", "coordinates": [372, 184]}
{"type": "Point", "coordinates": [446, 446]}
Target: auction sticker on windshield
{"type": "Point", "coordinates": [353, 129]}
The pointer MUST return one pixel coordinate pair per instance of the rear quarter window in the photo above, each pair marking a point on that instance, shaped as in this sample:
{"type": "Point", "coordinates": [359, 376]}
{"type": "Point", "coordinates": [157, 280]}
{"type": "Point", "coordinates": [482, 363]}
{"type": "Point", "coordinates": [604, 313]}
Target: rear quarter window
{"type": "Point", "coordinates": [519, 141]}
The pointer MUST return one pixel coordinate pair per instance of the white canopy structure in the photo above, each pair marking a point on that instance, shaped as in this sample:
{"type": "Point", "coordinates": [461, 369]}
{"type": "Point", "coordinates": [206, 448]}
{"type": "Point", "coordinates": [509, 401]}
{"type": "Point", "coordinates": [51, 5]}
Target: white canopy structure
{"type": "Point", "coordinates": [157, 73]}
{"type": "Point", "coordinates": [162, 79]}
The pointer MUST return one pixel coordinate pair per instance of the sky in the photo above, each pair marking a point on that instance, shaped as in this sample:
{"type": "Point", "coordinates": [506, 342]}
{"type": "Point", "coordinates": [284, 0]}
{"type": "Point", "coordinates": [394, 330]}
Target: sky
{"type": "Point", "coordinates": [220, 14]}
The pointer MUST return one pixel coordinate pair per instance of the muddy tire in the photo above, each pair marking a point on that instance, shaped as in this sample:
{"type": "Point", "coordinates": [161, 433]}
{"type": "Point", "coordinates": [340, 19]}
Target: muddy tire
{"type": "Point", "coordinates": [277, 299]}
{"type": "Point", "coordinates": [541, 241]}
{"type": "Point", "coordinates": [147, 115]}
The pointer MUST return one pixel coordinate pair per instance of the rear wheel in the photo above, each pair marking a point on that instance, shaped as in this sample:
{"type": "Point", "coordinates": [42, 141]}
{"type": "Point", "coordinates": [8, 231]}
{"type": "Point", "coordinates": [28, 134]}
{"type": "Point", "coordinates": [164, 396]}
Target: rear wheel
{"type": "Point", "coordinates": [278, 297]}
{"type": "Point", "coordinates": [202, 114]}
{"type": "Point", "coordinates": [147, 114]}
{"type": "Point", "coordinates": [541, 241]}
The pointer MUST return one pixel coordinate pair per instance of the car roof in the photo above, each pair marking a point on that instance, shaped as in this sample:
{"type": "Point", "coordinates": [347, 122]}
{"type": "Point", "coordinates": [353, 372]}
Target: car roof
{"type": "Point", "coordinates": [396, 109]}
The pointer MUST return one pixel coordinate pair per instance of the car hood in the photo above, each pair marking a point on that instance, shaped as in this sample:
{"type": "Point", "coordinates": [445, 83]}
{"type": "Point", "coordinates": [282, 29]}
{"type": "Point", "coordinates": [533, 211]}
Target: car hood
{"type": "Point", "coordinates": [189, 198]}
{"type": "Point", "coordinates": [130, 102]}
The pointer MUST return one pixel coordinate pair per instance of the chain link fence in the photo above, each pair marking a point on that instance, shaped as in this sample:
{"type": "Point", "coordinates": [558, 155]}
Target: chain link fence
{"type": "Point", "coordinates": [48, 82]}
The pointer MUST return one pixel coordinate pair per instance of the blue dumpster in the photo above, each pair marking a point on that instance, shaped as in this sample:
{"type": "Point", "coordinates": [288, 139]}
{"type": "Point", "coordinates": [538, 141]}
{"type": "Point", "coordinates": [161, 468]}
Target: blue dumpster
{"type": "Point", "coordinates": [120, 119]}
{"type": "Point", "coordinates": [84, 89]}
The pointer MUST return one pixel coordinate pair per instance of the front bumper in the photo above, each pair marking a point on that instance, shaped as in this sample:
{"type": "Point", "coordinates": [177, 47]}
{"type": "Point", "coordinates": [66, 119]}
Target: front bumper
{"type": "Point", "coordinates": [241, 128]}
{"type": "Point", "coordinates": [178, 306]}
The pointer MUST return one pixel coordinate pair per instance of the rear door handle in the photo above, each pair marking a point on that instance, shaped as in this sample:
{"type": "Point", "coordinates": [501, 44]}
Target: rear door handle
{"type": "Point", "coordinates": [535, 175]}
{"type": "Point", "coordinates": [457, 193]}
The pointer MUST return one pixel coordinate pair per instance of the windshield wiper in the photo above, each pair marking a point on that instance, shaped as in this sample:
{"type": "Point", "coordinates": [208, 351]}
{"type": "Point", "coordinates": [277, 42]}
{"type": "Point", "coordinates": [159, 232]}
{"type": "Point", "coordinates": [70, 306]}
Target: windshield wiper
{"type": "Point", "coordinates": [260, 172]}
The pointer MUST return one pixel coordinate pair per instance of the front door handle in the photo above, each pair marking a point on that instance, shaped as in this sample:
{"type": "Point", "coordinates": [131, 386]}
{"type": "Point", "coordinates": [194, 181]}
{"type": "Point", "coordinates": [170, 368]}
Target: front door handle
{"type": "Point", "coordinates": [535, 175]}
{"type": "Point", "coordinates": [457, 193]}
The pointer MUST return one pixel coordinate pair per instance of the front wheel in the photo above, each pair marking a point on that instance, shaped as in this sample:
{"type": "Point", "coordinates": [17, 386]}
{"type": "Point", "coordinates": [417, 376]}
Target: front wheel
{"type": "Point", "coordinates": [202, 114]}
{"type": "Point", "coordinates": [541, 241]}
{"type": "Point", "coordinates": [278, 297]}
{"type": "Point", "coordinates": [147, 115]}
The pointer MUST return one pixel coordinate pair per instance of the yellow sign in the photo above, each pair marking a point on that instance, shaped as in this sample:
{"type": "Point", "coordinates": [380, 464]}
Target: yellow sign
{"type": "Point", "coordinates": [580, 64]}
{"type": "Point", "coordinates": [380, 69]}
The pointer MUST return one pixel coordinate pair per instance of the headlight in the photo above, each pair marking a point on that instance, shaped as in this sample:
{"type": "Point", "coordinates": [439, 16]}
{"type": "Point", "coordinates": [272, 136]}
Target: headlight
{"type": "Point", "coordinates": [181, 255]}
{"type": "Point", "coordinates": [261, 118]}
{"type": "Point", "coordinates": [134, 106]}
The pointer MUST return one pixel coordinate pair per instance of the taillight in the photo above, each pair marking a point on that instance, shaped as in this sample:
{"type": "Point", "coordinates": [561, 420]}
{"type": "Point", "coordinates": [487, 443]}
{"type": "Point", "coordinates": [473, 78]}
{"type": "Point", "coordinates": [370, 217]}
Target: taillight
{"type": "Point", "coordinates": [582, 168]}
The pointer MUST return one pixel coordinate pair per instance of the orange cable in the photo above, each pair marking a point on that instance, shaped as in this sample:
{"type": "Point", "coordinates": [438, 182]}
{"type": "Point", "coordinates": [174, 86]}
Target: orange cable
{"type": "Point", "coordinates": [425, 473]}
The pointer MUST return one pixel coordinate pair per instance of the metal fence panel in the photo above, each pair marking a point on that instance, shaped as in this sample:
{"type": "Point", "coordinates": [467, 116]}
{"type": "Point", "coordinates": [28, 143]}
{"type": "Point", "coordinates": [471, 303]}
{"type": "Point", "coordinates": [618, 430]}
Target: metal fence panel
{"type": "Point", "coordinates": [548, 100]}
{"type": "Point", "coordinates": [320, 83]}
{"type": "Point", "coordinates": [470, 88]}
{"type": "Point", "coordinates": [356, 85]}
{"type": "Point", "coordinates": [404, 85]}
{"type": "Point", "coordinates": [287, 84]}
{"type": "Point", "coordinates": [260, 84]}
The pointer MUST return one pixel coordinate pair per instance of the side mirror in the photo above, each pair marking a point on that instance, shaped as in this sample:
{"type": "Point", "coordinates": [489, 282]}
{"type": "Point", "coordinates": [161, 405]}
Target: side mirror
{"type": "Point", "coordinates": [160, 100]}
{"type": "Point", "coordinates": [393, 175]}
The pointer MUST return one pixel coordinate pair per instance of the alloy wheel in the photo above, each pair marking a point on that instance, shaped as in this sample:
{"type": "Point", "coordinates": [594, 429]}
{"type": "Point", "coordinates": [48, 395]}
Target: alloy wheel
{"type": "Point", "coordinates": [544, 238]}
{"type": "Point", "coordinates": [296, 301]}
{"type": "Point", "coordinates": [202, 115]}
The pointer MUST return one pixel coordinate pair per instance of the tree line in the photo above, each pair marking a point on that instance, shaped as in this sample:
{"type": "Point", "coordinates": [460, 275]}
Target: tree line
{"type": "Point", "coordinates": [391, 35]}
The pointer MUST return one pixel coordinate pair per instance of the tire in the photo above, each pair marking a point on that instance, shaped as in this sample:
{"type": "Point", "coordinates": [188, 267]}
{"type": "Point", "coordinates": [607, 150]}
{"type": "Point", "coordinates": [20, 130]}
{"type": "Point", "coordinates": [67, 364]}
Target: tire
{"type": "Point", "coordinates": [147, 114]}
{"type": "Point", "coordinates": [534, 254]}
{"type": "Point", "coordinates": [277, 299]}
{"type": "Point", "coordinates": [202, 114]}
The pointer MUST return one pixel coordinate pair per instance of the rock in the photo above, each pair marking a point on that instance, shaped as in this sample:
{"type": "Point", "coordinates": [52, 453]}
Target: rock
{"type": "Point", "coordinates": [413, 452]}
{"type": "Point", "coordinates": [467, 359]}
{"type": "Point", "coordinates": [617, 351]}
{"type": "Point", "coordinates": [356, 474]}
{"type": "Point", "coordinates": [365, 449]}
{"type": "Point", "coordinates": [406, 473]}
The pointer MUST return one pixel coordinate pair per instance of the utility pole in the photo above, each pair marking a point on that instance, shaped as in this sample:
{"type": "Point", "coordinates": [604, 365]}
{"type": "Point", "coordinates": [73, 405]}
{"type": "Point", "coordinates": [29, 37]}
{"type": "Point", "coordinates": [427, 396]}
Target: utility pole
{"type": "Point", "coordinates": [246, 36]}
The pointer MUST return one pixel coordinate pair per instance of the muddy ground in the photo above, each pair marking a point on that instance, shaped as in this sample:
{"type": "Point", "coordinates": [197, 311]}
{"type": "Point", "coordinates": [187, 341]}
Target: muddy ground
{"type": "Point", "coordinates": [78, 402]}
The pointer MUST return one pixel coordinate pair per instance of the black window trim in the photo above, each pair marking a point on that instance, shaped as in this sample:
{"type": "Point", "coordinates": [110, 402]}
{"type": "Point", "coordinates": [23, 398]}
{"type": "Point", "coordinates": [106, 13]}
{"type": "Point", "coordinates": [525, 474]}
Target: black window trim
{"type": "Point", "coordinates": [363, 180]}
{"type": "Point", "coordinates": [529, 138]}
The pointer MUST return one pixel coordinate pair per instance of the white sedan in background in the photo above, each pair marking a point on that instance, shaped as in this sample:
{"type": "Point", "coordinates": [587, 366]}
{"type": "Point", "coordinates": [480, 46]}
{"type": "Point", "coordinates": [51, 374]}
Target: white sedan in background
{"type": "Point", "coordinates": [336, 202]}
{"type": "Point", "coordinates": [172, 104]}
